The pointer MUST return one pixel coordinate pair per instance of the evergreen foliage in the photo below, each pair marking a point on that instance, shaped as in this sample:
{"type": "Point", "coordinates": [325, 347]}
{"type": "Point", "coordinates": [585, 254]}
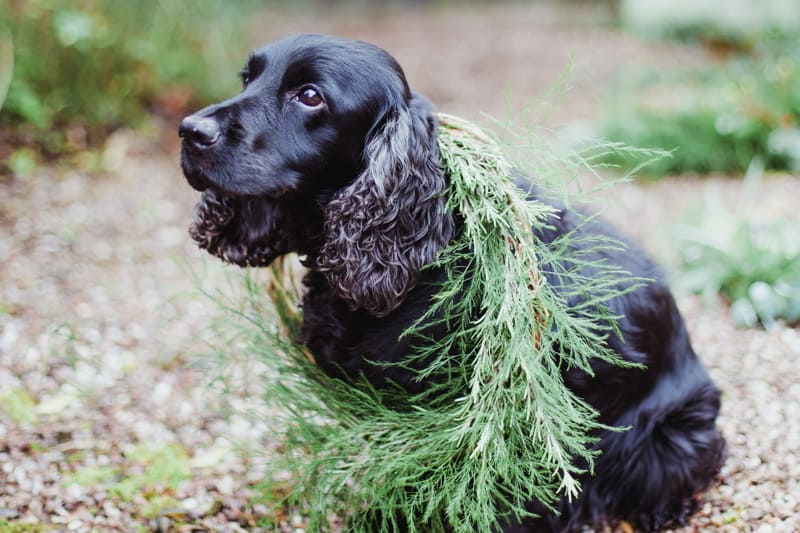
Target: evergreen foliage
{"type": "Point", "coordinates": [500, 429]}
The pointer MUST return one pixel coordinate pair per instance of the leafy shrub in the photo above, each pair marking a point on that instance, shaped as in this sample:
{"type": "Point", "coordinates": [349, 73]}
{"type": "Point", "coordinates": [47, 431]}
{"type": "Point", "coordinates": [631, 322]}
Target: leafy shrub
{"type": "Point", "coordinates": [84, 68]}
{"type": "Point", "coordinates": [717, 120]}
{"type": "Point", "coordinates": [754, 265]}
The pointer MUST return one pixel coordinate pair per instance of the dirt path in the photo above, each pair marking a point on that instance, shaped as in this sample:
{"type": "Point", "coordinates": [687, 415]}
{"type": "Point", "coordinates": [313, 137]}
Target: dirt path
{"type": "Point", "coordinates": [107, 417]}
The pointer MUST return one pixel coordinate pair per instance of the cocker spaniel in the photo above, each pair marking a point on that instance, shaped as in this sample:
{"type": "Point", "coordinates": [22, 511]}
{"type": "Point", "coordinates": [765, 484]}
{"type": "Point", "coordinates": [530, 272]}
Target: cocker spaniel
{"type": "Point", "coordinates": [327, 152]}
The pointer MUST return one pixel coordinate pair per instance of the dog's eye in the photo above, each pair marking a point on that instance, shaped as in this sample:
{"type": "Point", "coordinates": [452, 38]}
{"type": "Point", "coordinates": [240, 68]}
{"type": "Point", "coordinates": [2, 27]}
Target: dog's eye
{"type": "Point", "coordinates": [244, 75]}
{"type": "Point", "coordinates": [309, 96]}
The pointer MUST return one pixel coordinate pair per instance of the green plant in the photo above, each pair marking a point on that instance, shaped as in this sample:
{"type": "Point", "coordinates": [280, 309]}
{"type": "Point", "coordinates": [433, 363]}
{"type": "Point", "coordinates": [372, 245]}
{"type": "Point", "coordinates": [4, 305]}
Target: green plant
{"type": "Point", "coordinates": [81, 69]}
{"type": "Point", "coordinates": [754, 265]}
{"type": "Point", "coordinates": [713, 121]}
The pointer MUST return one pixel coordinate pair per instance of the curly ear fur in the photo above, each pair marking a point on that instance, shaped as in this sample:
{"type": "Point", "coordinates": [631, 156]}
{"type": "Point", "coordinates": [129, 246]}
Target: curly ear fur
{"type": "Point", "coordinates": [392, 220]}
{"type": "Point", "coordinates": [245, 232]}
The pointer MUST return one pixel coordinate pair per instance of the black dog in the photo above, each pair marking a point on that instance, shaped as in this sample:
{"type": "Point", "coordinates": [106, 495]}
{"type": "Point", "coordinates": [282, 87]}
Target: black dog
{"type": "Point", "coordinates": [328, 153]}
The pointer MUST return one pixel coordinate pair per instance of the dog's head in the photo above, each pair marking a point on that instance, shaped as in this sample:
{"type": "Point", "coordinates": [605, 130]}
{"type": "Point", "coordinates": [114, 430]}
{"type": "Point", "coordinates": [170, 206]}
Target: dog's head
{"type": "Point", "coordinates": [326, 151]}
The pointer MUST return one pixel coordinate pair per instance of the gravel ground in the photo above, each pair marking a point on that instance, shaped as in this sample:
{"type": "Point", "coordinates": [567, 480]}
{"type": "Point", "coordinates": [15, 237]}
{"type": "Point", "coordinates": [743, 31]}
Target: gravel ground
{"type": "Point", "coordinates": [108, 422]}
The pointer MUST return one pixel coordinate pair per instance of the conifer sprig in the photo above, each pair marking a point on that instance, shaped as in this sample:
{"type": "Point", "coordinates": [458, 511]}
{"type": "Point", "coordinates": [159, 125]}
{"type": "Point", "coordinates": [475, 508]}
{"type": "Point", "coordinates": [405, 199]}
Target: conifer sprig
{"type": "Point", "coordinates": [500, 428]}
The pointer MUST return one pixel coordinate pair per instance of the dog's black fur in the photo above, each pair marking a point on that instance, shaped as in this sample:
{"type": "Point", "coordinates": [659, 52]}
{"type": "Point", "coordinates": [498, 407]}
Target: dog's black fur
{"type": "Point", "coordinates": [328, 153]}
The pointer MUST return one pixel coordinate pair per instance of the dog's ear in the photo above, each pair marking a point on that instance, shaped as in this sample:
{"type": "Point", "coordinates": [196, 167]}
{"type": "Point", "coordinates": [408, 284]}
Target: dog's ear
{"type": "Point", "coordinates": [244, 232]}
{"type": "Point", "coordinates": [385, 226]}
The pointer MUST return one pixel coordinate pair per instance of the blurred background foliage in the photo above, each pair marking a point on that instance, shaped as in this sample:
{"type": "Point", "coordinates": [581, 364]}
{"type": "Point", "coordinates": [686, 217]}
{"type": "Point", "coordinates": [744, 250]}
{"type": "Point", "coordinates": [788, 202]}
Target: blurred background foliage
{"type": "Point", "coordinates": [82, 69]}
{"type": "Point", "coordinates": [73, 72]}
{"type": "Point", "coordinates": [722, 24]}
{"type": "Point", "coordinates": [714, 120]}
{"type": "Point", "coordinates": [751, 260]}
{"type": "Point", "coordinates": [739, 117]}
{"type": "Point", "coordinates": [717, 119]}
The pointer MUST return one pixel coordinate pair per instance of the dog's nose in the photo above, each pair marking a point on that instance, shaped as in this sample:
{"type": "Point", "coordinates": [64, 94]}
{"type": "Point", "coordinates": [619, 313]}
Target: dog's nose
{"type": "Point", "coordinates": [200, 131]}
